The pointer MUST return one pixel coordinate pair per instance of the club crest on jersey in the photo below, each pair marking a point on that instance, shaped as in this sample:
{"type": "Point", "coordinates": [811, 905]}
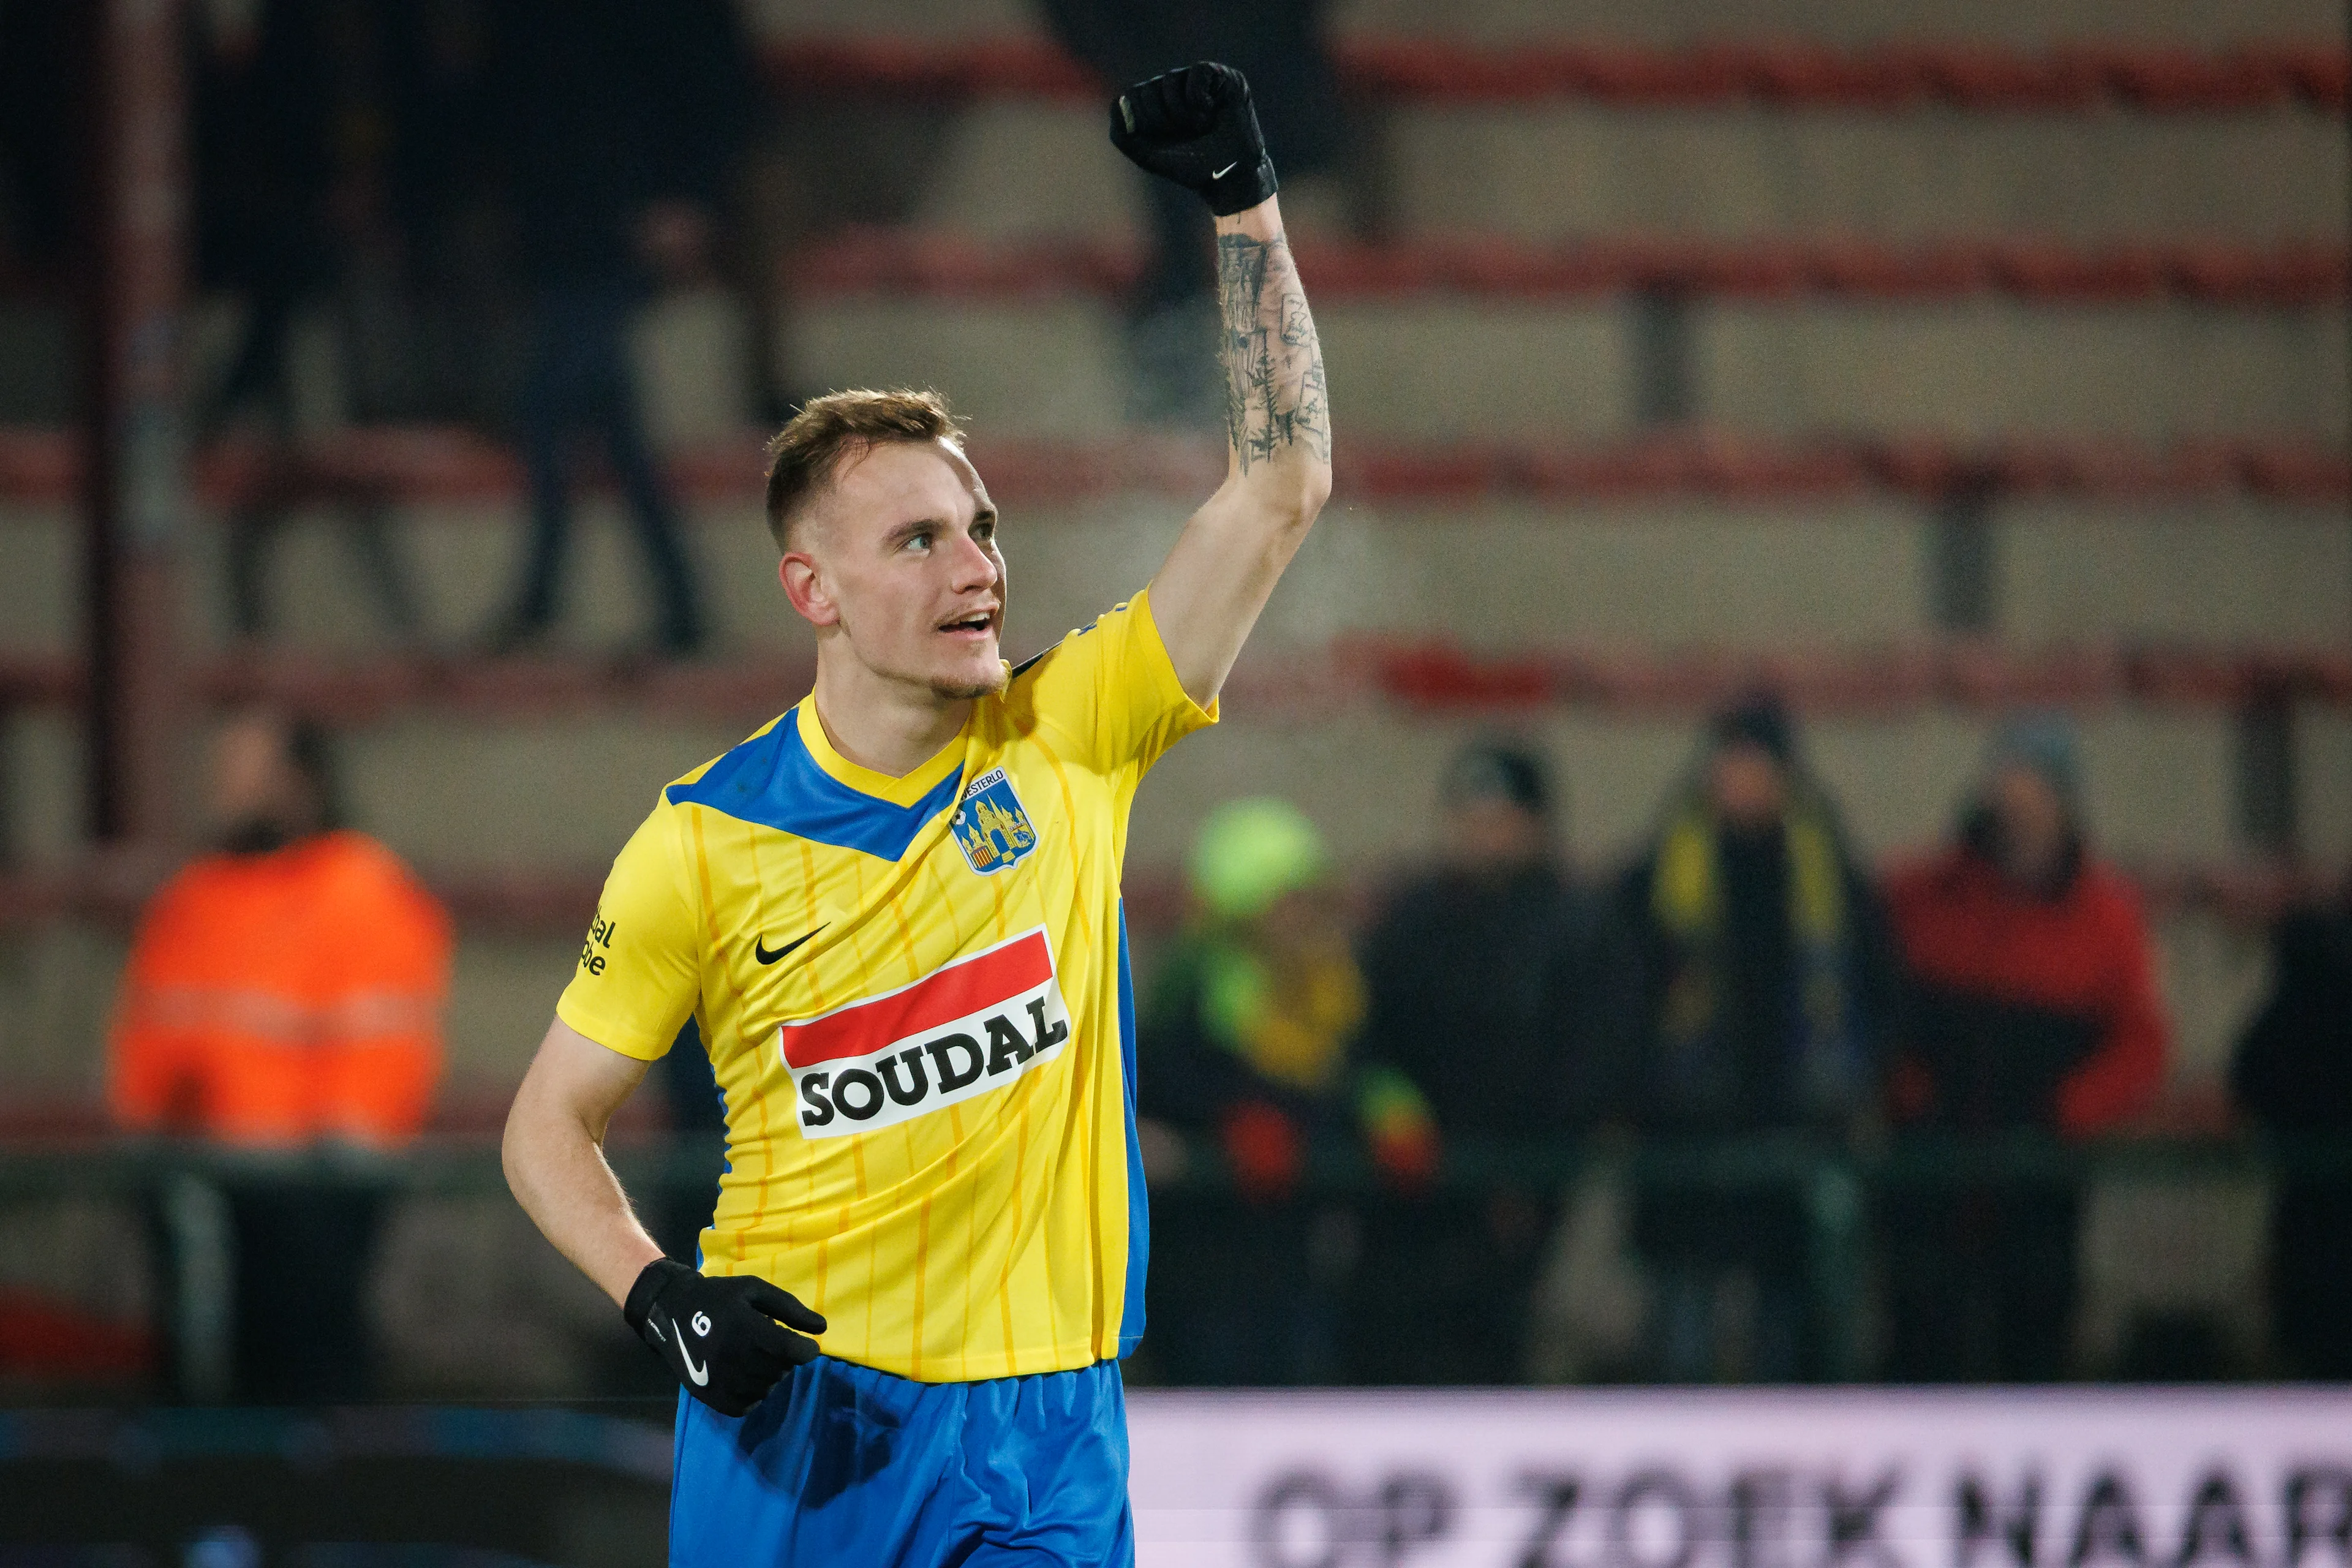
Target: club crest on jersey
{"type": "Point", "coordinates": [965, 1028]}
{"type": "Point", "coordinates": [989, 826]}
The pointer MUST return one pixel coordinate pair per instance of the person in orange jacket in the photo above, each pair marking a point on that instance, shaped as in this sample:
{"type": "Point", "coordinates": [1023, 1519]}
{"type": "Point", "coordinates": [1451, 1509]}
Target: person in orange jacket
{"type": "Point", "coordinates": [282, 992]}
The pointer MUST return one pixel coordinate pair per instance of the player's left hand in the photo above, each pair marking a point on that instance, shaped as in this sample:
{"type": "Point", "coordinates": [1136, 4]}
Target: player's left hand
{"type": "Point", "coordinates": [728, 1339]}
{"type": "Point", "coordinates": [1196, 126]}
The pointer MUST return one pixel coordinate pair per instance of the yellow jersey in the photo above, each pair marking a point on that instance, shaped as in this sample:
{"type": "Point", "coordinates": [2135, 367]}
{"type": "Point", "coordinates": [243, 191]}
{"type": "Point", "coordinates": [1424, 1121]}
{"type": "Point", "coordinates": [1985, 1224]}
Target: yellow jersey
{"type": "Point", "coordinates": [916, 997]}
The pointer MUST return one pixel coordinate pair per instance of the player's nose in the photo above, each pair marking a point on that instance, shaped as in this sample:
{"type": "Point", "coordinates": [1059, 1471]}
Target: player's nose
{"type": "Point", "coordinates": [974, 567]}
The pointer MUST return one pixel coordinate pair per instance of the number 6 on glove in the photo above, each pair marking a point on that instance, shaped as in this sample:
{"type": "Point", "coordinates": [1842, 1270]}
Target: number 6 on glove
{"type": "Point", "coordinates": [725, 1338]}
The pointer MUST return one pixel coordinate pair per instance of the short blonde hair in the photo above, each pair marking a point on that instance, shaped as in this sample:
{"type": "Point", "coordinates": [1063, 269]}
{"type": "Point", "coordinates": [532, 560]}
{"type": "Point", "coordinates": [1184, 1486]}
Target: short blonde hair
{"type": "Point", "coordinates": [806, 454]}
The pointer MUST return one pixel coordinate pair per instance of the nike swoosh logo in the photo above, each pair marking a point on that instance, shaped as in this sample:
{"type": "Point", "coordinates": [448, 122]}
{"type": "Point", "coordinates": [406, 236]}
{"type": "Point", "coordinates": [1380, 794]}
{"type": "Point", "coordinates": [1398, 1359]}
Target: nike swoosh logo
{"type": "Point", "coordinates": [700, 1374]}
{"type": "Point", "coordinates": [759, 947]}
{"type": "Point", "coordinates": [1226, 170]}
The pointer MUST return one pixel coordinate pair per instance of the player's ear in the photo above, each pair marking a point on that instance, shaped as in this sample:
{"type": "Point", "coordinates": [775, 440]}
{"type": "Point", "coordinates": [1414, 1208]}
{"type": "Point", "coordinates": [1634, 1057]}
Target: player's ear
{"type": "Point", "coordinates": [805, 585]}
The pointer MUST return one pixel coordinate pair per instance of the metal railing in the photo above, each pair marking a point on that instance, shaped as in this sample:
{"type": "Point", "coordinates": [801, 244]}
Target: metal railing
{"type": "Point", "coordinates": [1835, 1183]}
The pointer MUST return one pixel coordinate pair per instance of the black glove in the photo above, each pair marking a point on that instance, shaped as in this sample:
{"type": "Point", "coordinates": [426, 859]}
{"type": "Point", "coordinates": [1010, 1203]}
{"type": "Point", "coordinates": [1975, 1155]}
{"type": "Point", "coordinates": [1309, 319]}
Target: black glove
{"type": "Point", "coordinates": [1196, 126]}
{"type": "Point", "coordinates": [720, 1335]}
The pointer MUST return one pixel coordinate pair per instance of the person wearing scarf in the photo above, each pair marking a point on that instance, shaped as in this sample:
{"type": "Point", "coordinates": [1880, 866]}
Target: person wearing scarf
{"type": "Point", "coordinates": [1756, 981]}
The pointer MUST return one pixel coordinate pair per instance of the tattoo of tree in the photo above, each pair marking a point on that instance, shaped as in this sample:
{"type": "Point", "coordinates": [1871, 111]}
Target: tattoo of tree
{"type": "Point", "coordinates": [1275, 393]}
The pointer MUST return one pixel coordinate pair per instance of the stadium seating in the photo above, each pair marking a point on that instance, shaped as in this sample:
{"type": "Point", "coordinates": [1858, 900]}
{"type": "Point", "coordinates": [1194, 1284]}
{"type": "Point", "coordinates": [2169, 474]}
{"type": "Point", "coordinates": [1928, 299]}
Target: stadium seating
{"type": "Point", "coordinates": [2084, 270]}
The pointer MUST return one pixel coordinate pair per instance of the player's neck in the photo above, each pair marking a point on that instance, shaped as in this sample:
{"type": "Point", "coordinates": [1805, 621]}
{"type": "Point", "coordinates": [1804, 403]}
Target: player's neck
{"type": "Point", "coordinates": [889, 727]}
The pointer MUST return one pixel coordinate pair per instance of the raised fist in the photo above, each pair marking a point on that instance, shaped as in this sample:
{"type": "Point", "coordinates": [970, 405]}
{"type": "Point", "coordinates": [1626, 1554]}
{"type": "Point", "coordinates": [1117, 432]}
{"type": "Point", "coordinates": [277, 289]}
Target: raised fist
{"type": "Point", "coordinates": [1196, 126]}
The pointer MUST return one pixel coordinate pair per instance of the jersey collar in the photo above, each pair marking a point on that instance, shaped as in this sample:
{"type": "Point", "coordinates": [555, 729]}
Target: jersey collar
{"type": "Point", "coordinates": [907, 791]}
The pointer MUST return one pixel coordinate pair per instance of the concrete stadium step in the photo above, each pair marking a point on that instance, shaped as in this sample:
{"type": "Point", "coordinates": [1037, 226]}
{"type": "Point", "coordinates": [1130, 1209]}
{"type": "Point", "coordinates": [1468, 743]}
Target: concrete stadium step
{"type": "Point", "coordinates": [463, 791]}
{"type": "Point", "coordinates": [1289, 683]}
{"type": "Point", "coordinates": [1583, 171]}
{"type": "Point", "coordinates": [1500, 573]}
{"type": "Point", "coordinates": [1443, 369]}
{"type": "Point", "coordinates": [886, 263]}
{"type": "Point", "coordinates": [1550, 171]}
{"type": "Point", "coordinates": [1628, 573]}
{"type": "Point", "coordinates": [488, 786]}
{"type": "Point", "coordinates": [388, 465]}
{"type": "Point", "coordinates": [1448, 369]}
{"type": "Point", "coordinates": [2029, 24]}
{"type": "Point", "coordinates": [2023, 23]}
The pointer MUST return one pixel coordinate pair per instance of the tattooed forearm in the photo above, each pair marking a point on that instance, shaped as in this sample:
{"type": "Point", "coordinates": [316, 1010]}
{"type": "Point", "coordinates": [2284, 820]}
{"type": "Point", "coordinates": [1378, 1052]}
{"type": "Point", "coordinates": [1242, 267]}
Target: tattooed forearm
{"type": "Point", "coordinates": [1274, 397]}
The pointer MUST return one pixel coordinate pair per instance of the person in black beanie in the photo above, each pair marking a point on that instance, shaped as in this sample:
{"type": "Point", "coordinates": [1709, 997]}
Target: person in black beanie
{"type": "Point", "coordinates": [1483, 983]}
{"type": "Point", "coordinates": [1752, 977]}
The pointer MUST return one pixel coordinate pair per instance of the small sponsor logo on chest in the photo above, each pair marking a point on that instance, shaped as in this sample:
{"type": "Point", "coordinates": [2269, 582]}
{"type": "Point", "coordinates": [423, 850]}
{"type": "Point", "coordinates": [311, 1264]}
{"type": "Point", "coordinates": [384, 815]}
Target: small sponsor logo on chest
{"type": "Point", "coordinates": [989, 826]}
{"type": "Point", "coordinates": [961, 1030]}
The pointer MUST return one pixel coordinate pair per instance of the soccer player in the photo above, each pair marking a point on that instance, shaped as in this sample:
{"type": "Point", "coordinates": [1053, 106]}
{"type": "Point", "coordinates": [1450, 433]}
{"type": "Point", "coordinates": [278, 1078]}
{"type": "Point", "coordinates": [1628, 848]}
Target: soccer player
{"type": "Point", "coordinates": [894, 914]}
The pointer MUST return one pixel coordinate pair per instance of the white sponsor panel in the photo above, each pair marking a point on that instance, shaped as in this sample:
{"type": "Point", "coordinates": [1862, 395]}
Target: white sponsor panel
{"type": "Point", "coordinates": [1744, 1479]}
{"type": "Point", "coordinates": [968, 1028]}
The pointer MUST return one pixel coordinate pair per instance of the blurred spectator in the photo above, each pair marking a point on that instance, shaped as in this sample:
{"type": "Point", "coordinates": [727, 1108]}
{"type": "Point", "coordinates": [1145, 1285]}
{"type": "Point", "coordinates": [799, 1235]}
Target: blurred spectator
{"type": "Point", "coordinates": [284, 992]}
{"type": "Point", "coordinates": [1755, 984]}
{"type": "Point", "coordinates": [2028, 1004]}
{"type": "Point", "coordinates": [1483, 996]}
{"type": "Point", "coordinates": [38, 151]}
{"type": "Point", "coordinates": [1278, 45]}
{"type": "Point", "coordinates": [295, 125]}
{"type": "Point", "coordinates": [619, 122]}
{"type": "Point", "coordinates": [2294, 1074]}
{"type": "Point", "coordinates": [1246, 1039]}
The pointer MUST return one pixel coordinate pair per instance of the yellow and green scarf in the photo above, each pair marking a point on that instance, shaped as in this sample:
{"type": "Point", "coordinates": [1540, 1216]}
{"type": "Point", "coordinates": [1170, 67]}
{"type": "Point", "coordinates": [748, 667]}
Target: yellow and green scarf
{"type": "Point", "coordinates": [1687, 900]}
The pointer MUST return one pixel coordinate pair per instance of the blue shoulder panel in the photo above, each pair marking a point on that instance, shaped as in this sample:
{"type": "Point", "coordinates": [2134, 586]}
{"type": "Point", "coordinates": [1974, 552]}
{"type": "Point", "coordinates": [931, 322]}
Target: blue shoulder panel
{"type": "Point", "coordinates": [771, 779]}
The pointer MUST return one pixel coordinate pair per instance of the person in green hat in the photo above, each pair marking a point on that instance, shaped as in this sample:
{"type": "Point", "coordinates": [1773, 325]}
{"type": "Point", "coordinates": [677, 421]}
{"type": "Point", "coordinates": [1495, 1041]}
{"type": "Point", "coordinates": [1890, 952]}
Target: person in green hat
{"type": "Point", "coordinates": [1247, 1044]}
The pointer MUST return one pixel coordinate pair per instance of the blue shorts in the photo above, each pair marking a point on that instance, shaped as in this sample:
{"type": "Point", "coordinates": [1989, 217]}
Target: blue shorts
{"type": "Point", "coordinates": [843, 1464]}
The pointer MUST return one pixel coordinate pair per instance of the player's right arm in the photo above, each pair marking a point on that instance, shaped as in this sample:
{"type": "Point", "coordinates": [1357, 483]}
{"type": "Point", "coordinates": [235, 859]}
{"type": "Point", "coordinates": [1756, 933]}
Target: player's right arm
{"type": "Point", "coordinates": [727, 1339]}
{"type": "Point", "coordinates": [1196, 127]}
{"type": "Point", "coordinates": [1209, 593]}
{"type": "Point", "coordinates": [554, 1157]}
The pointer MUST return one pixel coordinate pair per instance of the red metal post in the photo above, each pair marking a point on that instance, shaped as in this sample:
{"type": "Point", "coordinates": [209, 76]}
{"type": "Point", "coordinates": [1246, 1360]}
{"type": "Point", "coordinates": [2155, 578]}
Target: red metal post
{"type": "Point", "coordinates": [135, 458]}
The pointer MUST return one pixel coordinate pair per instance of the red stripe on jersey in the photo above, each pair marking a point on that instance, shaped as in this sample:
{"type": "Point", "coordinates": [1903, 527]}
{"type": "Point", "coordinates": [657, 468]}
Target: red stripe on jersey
{"type": "Point", "coordinates": [956, 991]}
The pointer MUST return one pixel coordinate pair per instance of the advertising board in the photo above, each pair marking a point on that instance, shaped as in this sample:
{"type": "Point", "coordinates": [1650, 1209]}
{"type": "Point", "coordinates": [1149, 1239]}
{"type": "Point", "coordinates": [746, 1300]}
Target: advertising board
{"type": "Point", "coordinates": [1744, 1479]}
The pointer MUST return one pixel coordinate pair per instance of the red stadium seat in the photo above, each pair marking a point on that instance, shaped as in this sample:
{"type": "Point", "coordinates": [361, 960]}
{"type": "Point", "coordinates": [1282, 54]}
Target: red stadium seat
{"type": "Point", "coordinates": [1795, 75]}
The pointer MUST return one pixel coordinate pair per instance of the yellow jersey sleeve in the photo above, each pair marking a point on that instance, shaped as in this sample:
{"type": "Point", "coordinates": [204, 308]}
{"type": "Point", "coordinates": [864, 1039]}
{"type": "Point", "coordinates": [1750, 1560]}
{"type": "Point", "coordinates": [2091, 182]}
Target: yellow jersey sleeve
{"type": "Point", "coordinates": [640, 973]}
{"type": "Point", "coordinates": [1110, 690]}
